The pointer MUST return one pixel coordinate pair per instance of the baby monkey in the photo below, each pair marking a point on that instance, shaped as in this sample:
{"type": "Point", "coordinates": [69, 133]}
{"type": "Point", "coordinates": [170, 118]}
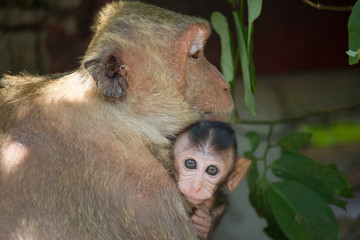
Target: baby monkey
{"type": "Point", "coordinates": [206, 161]}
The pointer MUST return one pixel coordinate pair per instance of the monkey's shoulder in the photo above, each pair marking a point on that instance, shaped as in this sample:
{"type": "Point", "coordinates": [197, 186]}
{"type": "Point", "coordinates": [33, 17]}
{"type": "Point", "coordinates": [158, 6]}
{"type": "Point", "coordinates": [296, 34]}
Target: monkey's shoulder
{"type": "Point", "coordinates": [24, 78]}
{"type": "Point", "coordinates": [25, 83]}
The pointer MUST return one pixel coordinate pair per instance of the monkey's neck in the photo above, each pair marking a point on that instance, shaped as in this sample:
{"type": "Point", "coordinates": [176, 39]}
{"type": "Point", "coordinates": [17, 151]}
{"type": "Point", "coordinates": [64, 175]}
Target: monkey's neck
{"type": "Point", "coordinates": [163, 155]}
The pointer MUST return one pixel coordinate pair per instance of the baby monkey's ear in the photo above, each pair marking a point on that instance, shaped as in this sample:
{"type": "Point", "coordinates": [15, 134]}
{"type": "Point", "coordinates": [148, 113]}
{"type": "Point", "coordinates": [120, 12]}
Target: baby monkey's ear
{"type": "Point", "coordinates": [240, 168]}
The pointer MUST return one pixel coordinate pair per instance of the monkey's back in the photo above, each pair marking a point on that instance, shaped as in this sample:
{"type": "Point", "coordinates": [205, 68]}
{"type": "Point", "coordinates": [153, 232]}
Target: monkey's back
{"type": "Point", "coordinates": [73, 168]}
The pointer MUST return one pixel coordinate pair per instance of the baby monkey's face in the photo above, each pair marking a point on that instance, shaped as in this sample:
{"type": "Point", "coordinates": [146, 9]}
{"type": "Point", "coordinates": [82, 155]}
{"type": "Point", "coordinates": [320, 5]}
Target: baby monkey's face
{"type": "Point", "coordinates": [200, 171]}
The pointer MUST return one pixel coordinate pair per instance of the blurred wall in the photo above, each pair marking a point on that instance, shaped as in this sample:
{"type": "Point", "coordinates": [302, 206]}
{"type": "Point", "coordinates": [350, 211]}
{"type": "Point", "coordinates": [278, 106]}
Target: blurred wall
{"type": "Point", "coordinates": [44, 36]}
{"type": "Point", "coordinates": [298, 51]}
{"type": "Point", "coordinates": [48, 36]}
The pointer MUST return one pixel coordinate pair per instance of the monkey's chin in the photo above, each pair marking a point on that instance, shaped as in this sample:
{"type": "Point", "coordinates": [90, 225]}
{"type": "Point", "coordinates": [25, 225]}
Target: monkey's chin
{"type": "Point", "coordinates": [216, 116]}
{"type": "Point", "coordinates": [193, 200]}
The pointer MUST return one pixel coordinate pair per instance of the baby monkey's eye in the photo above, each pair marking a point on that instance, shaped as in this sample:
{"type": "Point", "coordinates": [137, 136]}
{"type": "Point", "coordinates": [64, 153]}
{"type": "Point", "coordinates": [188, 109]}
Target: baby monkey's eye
{"type": "Point", "coordinates": [212, 170]}
{"type": "Point", "coordinates": [190, 163]}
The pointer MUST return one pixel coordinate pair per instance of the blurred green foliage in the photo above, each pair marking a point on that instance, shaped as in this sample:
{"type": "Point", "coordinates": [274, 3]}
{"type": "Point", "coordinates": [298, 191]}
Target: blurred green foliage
{"type": "Point", "coordinates": [333, 134]}
{"type": "Point", "coordinates": [296, 205]}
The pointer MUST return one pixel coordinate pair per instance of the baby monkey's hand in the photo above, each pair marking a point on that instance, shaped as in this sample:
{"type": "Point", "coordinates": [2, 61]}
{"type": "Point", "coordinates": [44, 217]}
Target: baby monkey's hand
{"type": "Point", "coordinates": [203, 221]}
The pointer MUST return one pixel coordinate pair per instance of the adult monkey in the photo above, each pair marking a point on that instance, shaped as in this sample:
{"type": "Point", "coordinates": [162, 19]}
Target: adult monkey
{"type": "Point", "coordinates": [85, 155]}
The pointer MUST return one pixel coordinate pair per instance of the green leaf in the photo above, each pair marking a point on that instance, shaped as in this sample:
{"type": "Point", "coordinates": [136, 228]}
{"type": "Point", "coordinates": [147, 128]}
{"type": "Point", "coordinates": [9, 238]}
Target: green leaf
{"type": "Point", "coordinates": [259, 199]}
{"type": "Point", "coordinates": [354, 34]}
{"type": "Point", "coordinates": [294, 141]}
{"type": "Point", "coordinates": [301, 213]}
{"type": "Point", "coordinates": [252, 173]}
{"type": "Point", "coordinates": [255, 140]}
{"type": "Point", "coordinates": [252, 69]}
{"type": "Point", "coordinates": [249, 98]}
{"type": "Point", "coordinates": [326, 180]}
{"type": "Point", "coordinates": [250, 155]}
{"type": "Point", "coordinates": [254, 10]}
{"type": "Point", "coordinates": [274, 231]}
{"type": "Point", "coordinates": [221, 26]}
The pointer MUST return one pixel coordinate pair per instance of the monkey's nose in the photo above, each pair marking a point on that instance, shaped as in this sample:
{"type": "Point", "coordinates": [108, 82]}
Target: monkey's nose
{"type": "Point", "coordinates": [196, 186]}
{"type": "Point", "coordinates": [226, 86]}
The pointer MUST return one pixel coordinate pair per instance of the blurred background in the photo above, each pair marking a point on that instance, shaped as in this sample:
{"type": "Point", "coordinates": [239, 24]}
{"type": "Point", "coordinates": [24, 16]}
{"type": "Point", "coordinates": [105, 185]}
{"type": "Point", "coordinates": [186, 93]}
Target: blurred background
{"type": "Point", "coordinates": [301, 66]}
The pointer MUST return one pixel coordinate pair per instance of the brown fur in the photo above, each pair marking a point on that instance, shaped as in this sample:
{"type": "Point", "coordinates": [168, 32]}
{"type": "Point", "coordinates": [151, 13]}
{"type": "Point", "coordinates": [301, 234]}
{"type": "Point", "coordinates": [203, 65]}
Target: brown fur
{"type": "Point", "coordinates": [85, 155]}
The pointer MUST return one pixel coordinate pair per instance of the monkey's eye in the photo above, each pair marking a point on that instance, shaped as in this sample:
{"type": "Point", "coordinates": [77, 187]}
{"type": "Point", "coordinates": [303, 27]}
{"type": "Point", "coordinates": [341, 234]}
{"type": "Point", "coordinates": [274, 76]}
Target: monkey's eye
{"type": "Point", "coordinates": [196, 55]}
{"type": "Point", "coordinates": [190, 163]}
{"type": "Point", "coordinates": [212, 170]}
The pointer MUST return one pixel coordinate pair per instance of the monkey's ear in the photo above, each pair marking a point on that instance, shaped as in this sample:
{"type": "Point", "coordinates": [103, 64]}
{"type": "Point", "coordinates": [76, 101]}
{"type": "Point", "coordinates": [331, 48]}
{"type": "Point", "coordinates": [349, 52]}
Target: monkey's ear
{"type": "Point", "coordinates": [240, 168]}
{"type": "Point", "coordinates": [110, 75]}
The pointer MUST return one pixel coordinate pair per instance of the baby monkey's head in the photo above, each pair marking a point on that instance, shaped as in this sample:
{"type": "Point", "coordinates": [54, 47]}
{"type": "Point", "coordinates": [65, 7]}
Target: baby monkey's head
{"type": "Point", "coordinates": [205, 156]}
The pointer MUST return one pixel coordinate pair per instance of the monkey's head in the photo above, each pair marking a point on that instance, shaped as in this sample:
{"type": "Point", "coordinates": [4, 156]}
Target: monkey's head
{"type": "Point", "coordinates": [205, 158]}
{"type": "Point", "coordinates": [152, 60]}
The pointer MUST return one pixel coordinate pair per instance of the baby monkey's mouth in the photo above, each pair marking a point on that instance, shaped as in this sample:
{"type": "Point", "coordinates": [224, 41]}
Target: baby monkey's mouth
{"type": "Point", "coordinates": [193, 200]}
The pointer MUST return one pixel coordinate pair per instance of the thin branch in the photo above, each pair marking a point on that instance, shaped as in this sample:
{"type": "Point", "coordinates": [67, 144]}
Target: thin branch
{"type": "Point", "coordinates": [295, 101]}
{"type": "Point", "coordinates": [320, 6]}
{"type": "Point", "coordinates": [268, 146]}
{"type": "Point", "coordinates": [302, 117]}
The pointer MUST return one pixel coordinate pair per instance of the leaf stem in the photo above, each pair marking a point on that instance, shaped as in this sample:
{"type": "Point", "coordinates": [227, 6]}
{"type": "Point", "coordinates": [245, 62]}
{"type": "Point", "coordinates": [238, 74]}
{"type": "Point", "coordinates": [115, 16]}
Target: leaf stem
{"type": "Point", "coordinates": [300, 117]}
{"type": "Point", "coordinates": [268, 147]}
{"type": "Point", "coordinates": [320, 6]}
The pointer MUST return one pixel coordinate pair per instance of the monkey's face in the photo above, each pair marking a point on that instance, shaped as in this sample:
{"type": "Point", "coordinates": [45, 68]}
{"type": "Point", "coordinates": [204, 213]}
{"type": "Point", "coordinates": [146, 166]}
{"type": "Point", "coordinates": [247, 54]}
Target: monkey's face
{"type": "Point", "coordinates": [199, 172]}
{"type": "Point", "coordinates": [203, 85]}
